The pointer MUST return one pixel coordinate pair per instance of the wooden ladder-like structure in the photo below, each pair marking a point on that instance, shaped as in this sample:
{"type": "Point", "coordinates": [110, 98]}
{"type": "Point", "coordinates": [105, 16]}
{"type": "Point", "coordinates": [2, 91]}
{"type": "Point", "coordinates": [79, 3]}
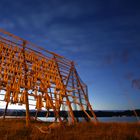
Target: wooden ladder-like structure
{"type": "Point", "coordinates": [31, 73]}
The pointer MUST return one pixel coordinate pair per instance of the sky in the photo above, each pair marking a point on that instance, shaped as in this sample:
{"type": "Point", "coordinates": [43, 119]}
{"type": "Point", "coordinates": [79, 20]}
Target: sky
{"type": "Point", "coordinates": [101, 36]}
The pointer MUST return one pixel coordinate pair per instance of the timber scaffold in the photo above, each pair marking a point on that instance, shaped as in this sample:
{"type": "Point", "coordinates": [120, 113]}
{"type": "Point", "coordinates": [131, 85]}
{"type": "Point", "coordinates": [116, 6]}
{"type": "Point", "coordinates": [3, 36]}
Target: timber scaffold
{"type": "Point", "coordinates": [33, 76]}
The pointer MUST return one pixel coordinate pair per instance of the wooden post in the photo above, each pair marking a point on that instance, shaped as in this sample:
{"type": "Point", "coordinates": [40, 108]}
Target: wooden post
{"type": "Point", "coordinates": [73, 87]}
{"type": "Point", "coordinates": [87, 97]}
{"type": "Point", "coordinates": [36, 114]}
{"type": "Point", "coordinates": [26, 90]}
{"type": "Point", "coordinates": [5, 111]}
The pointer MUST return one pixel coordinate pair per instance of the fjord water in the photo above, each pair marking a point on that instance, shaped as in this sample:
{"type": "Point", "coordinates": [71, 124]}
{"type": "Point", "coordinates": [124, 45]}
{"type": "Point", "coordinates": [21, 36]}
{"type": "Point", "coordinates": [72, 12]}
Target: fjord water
{"type": "Point", "coordinates": [101, 119]}
{"type": "Point", "coordinates": [118, 119]}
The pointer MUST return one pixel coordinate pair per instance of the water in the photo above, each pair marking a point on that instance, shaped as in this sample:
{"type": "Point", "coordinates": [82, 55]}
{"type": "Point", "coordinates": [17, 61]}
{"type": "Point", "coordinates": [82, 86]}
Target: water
{"type": "Point", "coordinates": [101, 119]}
{"type": "Point", "coordinates": [117, 119]}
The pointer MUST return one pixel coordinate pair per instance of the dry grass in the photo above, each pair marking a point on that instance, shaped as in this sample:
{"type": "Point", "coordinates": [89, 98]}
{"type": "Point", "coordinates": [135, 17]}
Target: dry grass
{"type": "Point", "coordinates": [16, 130]}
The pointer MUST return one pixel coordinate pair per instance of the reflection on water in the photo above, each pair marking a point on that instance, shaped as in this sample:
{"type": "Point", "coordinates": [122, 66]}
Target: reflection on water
{"type": "Point", "coordinates": [49, 119]}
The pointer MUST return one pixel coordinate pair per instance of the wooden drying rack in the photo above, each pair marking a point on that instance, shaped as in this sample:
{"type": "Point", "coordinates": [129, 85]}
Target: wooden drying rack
{"type": "Point", "coordinates": [52, 80]}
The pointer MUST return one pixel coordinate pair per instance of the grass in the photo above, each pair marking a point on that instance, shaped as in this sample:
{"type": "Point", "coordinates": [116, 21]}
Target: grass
{"type": "Point", "coordinates": [13, 129]}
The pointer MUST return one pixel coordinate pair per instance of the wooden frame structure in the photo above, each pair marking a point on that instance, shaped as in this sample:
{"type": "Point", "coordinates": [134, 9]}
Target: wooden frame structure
{"type": "Point", "coordinates": [29, 72]}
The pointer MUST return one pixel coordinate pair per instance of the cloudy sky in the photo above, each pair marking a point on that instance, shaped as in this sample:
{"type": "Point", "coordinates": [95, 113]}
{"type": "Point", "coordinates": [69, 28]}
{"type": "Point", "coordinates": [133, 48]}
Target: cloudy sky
{"type": "Point", "coordinates": [101, 36]}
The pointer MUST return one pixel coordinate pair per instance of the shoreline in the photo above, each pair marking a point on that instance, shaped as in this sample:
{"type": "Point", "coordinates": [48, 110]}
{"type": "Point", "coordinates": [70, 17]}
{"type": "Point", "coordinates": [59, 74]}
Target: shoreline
{"type": "Point", "coordinates": [99, 113]}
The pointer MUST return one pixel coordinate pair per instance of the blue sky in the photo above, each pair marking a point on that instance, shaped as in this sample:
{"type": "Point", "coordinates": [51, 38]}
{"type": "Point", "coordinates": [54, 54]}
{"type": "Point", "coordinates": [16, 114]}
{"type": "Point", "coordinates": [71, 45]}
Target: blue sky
{"type": "Point", "coordinates": [101, 36]}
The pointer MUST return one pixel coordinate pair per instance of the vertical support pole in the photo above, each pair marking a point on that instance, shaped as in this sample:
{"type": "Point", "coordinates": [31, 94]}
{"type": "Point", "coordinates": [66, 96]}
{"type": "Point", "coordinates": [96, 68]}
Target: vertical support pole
{"type": "Point", "coordinates": [36, 115]}
{"type": "Point", "coordinates": [79, 93]}
{"type": "Point", "coordinates": [26, 90]}
{"type": "Point", "coordinates": [5, 111]}
{"type": "Point", "coordinates": [73, 89]}
{"type": "Point", "coordinates": [87, 97]}
{"type": "Point", "coordinates": [75, 106]}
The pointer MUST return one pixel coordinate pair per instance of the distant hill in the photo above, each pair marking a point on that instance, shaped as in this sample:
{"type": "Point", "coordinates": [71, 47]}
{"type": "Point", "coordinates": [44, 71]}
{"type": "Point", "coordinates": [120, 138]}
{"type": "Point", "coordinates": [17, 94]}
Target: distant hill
{"type": "Point", "coordinates": [99, 113]}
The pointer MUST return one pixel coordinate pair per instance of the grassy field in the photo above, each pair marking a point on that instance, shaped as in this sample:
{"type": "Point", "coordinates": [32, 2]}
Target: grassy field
{"type": "Point", "coordinates": [12, 129]}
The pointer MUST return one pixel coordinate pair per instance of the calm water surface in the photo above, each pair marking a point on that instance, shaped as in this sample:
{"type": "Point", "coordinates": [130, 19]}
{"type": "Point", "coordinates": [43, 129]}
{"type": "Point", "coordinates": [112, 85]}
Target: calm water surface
{"type": "Point", "coordinates": [102, 119]}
